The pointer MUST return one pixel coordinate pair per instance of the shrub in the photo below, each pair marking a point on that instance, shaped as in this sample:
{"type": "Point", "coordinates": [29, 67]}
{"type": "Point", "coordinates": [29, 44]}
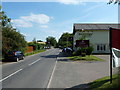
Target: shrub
{"type": "Point", "coordinates": [77, 53]}
{"type": "Point", "coordinates": [86, 51]}
{"type": "Point", "coordinates": [83, 54]}
{"type": "Point", "coordinates": [89, 50]}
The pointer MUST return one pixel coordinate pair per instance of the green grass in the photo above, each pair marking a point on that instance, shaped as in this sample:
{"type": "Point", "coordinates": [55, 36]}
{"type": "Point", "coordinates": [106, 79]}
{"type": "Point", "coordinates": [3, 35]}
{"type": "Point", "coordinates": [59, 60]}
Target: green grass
{"type": "Point", "coordinates": [34, 52]}
{"type": "Point", "coordinates": [104, 83]}
{"type": "Point", "coordinates": [86, 58]}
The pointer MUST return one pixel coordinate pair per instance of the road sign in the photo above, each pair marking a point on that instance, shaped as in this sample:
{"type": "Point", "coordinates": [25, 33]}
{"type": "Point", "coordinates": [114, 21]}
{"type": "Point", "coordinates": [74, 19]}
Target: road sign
{"type": "Point", "coordinates": [115, 46]}
{"type": "Point", "coordinates": [114, 49]}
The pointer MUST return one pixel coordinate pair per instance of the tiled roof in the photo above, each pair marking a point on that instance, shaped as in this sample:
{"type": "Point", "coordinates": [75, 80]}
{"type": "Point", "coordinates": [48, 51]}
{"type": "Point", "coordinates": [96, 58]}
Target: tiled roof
{"type": "Point", "coordinates": [95, 26]}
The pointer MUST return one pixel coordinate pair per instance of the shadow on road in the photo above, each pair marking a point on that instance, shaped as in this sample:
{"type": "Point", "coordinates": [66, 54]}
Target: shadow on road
{"type": "Point", "coordinates": [64, 54]}
{"type": "Point", "coordinates": [50, 56]}
{"type": "Point", "coordinates": [79, 87]}
{"type": "Point", "coordinates": [3, 61]}
{"type": "Point", "coordinates": [61, 54]}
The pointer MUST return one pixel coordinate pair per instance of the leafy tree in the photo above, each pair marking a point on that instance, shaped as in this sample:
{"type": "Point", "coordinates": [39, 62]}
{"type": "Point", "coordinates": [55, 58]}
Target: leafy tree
{"type": "Point", "coordinates": [51, 41]}
{"type": "Point", "coordinates": [39, 41]}
{"type": "Point", "coordinates": [36, 46]}
{"type": "Point", "coordinates": [66, 40]}
{"type": "Point", "coordinates": [114, 1]}
{"type": "Point", "coordinates": [5, 21]}
{"type": "Point", "coordinates": [34, 40]}
{"type": "Point", "coordinates": [11, 39]}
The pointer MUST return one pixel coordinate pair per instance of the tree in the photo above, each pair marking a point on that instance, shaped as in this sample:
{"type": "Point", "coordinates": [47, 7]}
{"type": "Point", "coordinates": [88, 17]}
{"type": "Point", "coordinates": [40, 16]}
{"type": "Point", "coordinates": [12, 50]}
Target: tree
{"type": "Point", "coordinates": [11, 39]}
{"type": "Point", "coordinates": [66, 40]}
{"type": "Point", "coordinates": [34, 40]}
{"type": "Point", "coordinates": [114, 1]}
{"type": "Point", "coordinates": [5, 21]}
{"type": "Point", "coordinates": [51, 41]}
{"type": "Point", "coordinates": [36, 46]}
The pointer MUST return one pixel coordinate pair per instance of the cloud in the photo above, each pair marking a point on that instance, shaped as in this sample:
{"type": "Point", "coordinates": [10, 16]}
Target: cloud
{"type": "Point", "coordinates": [64, 1]}
{"type": "Point", "coordinates": [37, 18]}
{"type": "Point", "coordinates": [75, 2]}
{"type": "Point", "coordinates": [44, 26]}
{"type": "Point", "coordinates": [28, 21]}
{"type": "Point", "coordinates": [93, 8]}
{"type": "Point", "coordinates": [24, 34]}
{"type": "Point", "coordinates": [21, 23]}
{"type": "Point", "coordinates": [69, 1]}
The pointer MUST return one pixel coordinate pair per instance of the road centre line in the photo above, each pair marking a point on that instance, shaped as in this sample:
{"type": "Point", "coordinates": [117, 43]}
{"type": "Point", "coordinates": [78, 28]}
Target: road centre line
{"type": "Point", "coordinates": [34, 62]}
{"type": "Point", "coordinates": [10, 75]}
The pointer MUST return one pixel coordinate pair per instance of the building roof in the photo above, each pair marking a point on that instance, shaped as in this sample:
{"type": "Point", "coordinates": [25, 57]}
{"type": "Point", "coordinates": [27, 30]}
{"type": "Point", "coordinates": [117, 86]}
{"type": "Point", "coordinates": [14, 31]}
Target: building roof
{"type": "Point", "coordinates": [88, 26]}
{"type": "Point", "coordinates": [95, 26]}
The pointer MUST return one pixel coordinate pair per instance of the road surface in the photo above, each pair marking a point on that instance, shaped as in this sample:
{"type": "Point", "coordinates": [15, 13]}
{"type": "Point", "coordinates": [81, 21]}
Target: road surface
{"type": "Point", "coordinates": [32, 72]}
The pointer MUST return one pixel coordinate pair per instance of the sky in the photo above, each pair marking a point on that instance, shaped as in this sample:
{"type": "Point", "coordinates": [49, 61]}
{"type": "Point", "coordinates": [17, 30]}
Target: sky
{"type": "Point", "coordinates": [42, 18]}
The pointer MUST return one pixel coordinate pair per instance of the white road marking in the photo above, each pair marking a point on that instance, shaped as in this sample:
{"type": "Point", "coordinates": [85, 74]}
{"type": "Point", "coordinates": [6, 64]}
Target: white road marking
{"type": "Point", "coordinates": [48, 86]}
{"type": "Point", "coordinates": [10, 75]}
{"type": "Point", "coordinates": [34, 62]}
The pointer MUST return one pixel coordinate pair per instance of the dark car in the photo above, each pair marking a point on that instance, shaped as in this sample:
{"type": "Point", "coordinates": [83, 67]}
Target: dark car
{"type": "Point", "coordinates": [14, 55]}
{"type": "Point", "coordinates": [67, 49]}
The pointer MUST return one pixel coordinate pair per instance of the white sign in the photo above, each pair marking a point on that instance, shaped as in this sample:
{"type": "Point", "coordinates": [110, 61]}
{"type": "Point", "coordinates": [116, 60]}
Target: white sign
{"type": "Point", "coordinates": [115, 57]}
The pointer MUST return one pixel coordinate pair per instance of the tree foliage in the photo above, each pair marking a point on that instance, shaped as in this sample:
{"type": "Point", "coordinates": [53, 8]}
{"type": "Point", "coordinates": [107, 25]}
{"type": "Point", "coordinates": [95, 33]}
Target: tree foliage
{"type": "Point", "coordinates": [51, 41]}
{"type": "Point", "coordinates": [36, 46]}
{"type": "Point", "coordinates": [114, 1]}
{"type": "Point", "coordinates": [66, 40]}
{"type": "Point", "coordinates": [11, 39]}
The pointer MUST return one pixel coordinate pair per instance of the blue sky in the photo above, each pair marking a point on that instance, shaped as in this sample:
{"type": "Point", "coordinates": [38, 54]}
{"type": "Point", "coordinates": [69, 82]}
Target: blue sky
{"type": "Point", "coordinates": [42, 19]}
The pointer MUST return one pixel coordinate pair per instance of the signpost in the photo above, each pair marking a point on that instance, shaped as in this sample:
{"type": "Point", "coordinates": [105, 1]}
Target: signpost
{"type": "Point", "coordinates": [114, 49]}
{"type": "Point", "coordinates": [82, 43]}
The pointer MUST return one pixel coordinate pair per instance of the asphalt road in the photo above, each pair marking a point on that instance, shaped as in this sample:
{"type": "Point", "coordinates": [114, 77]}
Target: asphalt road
{"type": "Point", "coordinates": [32, 72]}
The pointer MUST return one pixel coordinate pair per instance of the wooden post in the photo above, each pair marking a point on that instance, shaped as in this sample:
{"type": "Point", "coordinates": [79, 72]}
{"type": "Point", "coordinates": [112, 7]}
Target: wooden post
{"type": "Point", "coordinates": [110, 41]}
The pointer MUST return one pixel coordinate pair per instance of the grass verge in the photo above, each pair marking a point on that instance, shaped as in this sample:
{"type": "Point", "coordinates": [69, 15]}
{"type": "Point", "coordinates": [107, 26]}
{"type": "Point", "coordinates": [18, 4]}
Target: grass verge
{"type": "Point", "coordinates": [34, 52]}
{"type": "Point", "coordinates": [86, 58]}
{"type": "Point", "coordinates": [104, 83]}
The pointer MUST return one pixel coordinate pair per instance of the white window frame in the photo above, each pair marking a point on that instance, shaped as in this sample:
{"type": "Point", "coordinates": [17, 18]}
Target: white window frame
{"type": "Point", "coordinates": [101, 47]}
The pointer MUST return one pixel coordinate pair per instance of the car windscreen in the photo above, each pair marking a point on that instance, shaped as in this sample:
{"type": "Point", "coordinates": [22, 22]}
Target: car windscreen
{"type": "Point", "coordinates": [10, 53]}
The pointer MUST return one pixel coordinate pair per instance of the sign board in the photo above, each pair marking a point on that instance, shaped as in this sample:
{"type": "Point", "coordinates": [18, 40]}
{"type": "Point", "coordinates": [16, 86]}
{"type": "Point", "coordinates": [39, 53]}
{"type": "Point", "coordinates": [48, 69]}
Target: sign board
{"type": "Point", "coordinates": [115, 38]}
{"type": "Point", "coordinates": [115, 47]}
{"type": "Point", "coordinates": [82, 43]}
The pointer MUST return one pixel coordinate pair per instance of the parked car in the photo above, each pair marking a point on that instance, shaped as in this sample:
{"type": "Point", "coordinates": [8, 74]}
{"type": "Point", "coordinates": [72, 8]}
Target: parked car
{"type": "Point", "coordinates": [14, 55]}
{"type": "Point", "coordinates": [67, 49]}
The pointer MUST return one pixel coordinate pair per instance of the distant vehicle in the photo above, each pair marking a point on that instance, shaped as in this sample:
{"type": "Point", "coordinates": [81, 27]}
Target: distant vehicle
{"type": "Point", "coordinates": [14, 55]}
{"type": "Point", "coordinates": [67, 49]}
{"type": "Point", "coordinates": [46, 47]}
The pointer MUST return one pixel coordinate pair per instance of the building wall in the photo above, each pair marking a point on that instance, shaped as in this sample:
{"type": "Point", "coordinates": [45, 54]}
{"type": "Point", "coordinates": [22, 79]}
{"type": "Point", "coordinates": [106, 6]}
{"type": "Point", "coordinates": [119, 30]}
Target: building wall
{"type": "Point", "coordinates": [99, 39]}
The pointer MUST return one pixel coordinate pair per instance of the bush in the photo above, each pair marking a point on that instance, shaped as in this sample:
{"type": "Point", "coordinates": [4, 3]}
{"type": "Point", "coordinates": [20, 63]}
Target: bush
{"type": "Point", "coordinates": [89, 50]}
{"type": "Point", "coordinates": [77, 53]}
{"type": "Point", "coordinates": [83, 54]}
{"type": "Point", "coordinates": [86, 51]}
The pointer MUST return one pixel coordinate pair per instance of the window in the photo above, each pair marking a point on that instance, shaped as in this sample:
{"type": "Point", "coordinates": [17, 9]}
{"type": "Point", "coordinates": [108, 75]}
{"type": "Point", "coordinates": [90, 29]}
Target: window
{"type": "Point", "coordinates": [101, 47]}
{"type": "Point", "coordinates": [98, 47]}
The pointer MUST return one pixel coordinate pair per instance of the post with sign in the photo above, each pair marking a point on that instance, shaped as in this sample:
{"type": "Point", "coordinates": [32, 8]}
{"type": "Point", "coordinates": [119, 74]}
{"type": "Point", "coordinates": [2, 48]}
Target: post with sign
{"type": "Point", "coordinates": [82, 43]}
{"type": "Point", "coordinates": [114, 49]}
